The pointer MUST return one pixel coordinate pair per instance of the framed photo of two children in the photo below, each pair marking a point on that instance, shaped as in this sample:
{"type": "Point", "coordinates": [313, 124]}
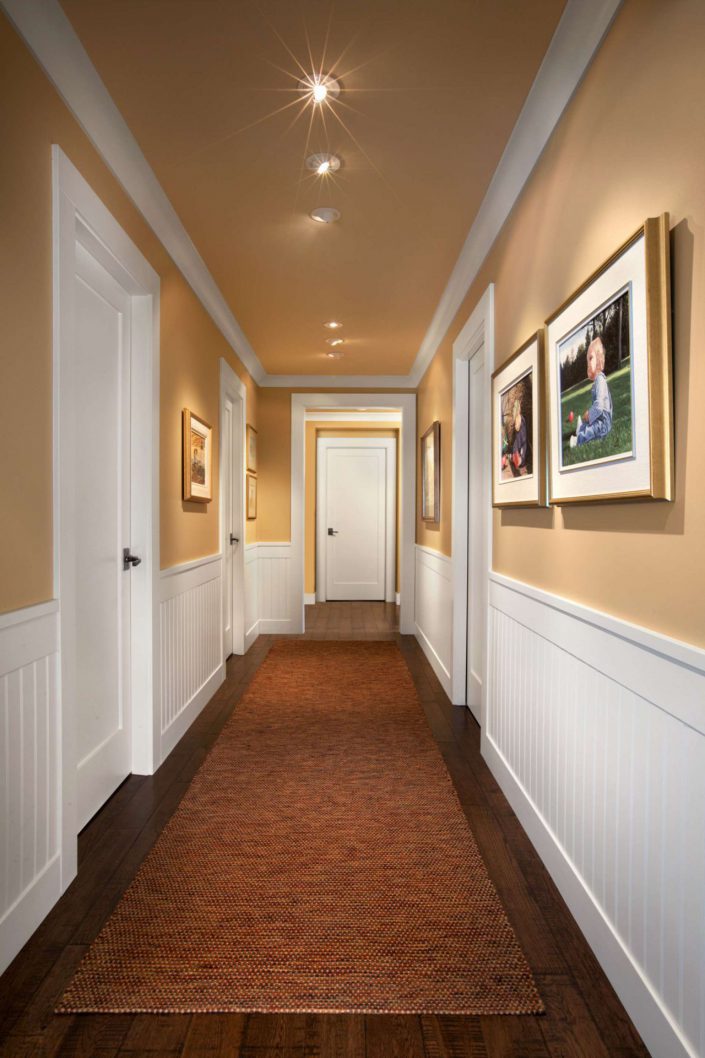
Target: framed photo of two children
{"type": "Point", "coordinates": [608, 389]}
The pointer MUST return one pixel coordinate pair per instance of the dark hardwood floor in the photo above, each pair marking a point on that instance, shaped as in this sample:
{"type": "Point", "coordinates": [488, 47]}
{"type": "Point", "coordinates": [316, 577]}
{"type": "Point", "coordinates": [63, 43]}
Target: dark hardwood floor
{"type": "Point", "coordinates": [584, 1018]}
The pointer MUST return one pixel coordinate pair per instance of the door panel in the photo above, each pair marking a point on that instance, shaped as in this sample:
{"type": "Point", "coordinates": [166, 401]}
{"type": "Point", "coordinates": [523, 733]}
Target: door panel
{"type": "Point", "coordinates": [99, 481]}
{"type": "Point", "coordinates": [226, 499]}
{"type": "Point", "coordinates": [356, 511]}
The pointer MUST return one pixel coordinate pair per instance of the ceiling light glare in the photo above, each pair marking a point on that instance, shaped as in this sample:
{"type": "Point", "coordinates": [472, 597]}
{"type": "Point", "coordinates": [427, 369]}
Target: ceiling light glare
{"type": "Point", "coordinates": [335, 341]}
{"type": "Point", "coordinates": [323, 163]}
{"type": "Point", "coordinates": [320, 88]}
{"type": "Point", "coordinates": [335, 354]}
{"type": "Point", "coordinates": [332, 325]}
{"type": "Point", "coordinates": [325, 214]}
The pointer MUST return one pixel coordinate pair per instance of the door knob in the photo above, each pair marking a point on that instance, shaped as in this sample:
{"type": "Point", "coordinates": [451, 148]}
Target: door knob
{"type": "Point", "coordinates": [333, 532]}
{"type": "Point", "coordinates": [128, 559]}
{"type": "Point", "coordinates": [234, 539]}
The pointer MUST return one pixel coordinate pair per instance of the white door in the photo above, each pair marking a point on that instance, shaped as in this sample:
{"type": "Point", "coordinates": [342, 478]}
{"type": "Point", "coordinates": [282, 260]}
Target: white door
{"type": "Point", "coordinates": [476, 533]}
{"type": "Point", "coordinates": [231, 499]}
{"type": "Point", "coordinates": [95, 482]}
{"type": "Point", "coordinates": [356, 518]}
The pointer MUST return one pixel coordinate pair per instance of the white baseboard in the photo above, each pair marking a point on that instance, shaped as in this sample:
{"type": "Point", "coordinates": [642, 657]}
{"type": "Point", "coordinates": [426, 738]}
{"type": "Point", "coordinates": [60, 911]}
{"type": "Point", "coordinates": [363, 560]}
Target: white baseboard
{"type": "Point", "coordinates": [397, 598]}
{"type": "Point", "coordinates": [21, 919]}
{"type": "Point", "coordinates": [309, 598]}
{"type": "Point", "coordinates": [188, 714]}
{"type": "Point", "coordinates": [436, 664]}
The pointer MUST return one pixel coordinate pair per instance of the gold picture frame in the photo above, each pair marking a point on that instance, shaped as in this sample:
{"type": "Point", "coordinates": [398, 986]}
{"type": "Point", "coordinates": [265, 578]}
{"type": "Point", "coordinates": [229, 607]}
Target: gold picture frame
{"type": "Point", "coordinates": [431, 474]}
{"type": "Point", "coordinates": [518, 428]}
{"type": "Point", "coordinates": [609, 378]}
{"type": "Point", "coordinates": [251, 449]}
{"type": "Point", "coordinates": [197, 436]}
{"type": "Point", "coordinates": [251, 496]}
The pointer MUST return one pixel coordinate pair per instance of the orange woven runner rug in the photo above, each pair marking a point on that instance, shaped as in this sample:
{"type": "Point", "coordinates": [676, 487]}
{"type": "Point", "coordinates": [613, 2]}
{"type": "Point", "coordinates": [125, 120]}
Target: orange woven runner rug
{"type": "Point", "coordinates": [319, 861]}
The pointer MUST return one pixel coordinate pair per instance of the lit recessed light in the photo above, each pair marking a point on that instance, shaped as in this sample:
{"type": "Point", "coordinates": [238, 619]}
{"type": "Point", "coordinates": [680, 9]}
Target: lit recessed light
{"type": "Point", "coordinates": [325, 214]}
{"type": "Point", "coordinates": [335, 354]}
{"type": "Point", "coordinates": [335, 341]}
{"type": "Point", "coordinates": [323, 163]}
{"type": "Point", "coordinates": [332, 325]}
{"type": "Point", "coordinates": [320, 88]}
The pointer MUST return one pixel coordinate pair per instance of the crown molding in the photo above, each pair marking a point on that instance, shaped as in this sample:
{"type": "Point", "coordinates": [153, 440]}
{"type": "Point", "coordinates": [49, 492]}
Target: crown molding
{"type": "Point", "coordinates": [54, 43]}
{"type": "Point", "coordinates": [579, 33]}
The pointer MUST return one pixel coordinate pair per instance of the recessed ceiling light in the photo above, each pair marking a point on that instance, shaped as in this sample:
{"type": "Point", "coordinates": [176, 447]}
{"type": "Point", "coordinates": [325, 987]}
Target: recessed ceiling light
{"type": "Point", "coordinates": [325, 214]}
{"type": "Point", "coordinates": [335, 354]}
{"type": "Point", "coordinates": [323, 163]}
{"type": "Point", "coordinates": [335, 341]}
{"type": "Point", "coordinates": [320, 88]}
{"type": "Point", "coordinates": [332, 325]}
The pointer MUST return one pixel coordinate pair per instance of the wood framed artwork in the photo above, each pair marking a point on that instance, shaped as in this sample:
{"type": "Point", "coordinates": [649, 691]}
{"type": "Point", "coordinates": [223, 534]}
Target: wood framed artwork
{"type": "Point", "coordinates": [251, 449]}
{"type": "Point", "coordinates": [610, 394]}
{"type": "Point", "coordinates": [431, 473]}
{"type": "Point", "coordinates": [251, 494]}
{"type": "Point", "coordinates": [197, 458]}
{"type": "Point", "coordinates": [518, 436]}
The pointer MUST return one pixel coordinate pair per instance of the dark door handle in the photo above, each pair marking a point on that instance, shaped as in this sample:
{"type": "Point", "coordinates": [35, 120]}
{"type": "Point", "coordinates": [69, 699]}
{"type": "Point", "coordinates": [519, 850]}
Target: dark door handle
{"type": "Point", "coordinates": [234, 539]}
{"type": "Point", "coordinates": [333, 532]}
{"type": "Point", "coordinates": [128, 559]}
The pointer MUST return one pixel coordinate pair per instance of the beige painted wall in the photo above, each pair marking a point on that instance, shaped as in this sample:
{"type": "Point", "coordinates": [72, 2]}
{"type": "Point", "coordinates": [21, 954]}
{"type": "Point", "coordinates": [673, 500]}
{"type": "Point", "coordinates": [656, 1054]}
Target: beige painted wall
{"type": "Point", "coordinates": [630, 145]}
{"type": "Point", "coordinates": [274, 497]}
{"type": "Point", "coordinates": [32, 118]}
{"type": "Point", "coordinates": [314, 430]}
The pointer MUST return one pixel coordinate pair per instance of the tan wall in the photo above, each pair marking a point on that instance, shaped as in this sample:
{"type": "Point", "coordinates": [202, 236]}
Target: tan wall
{"type": "Point", "coordinates": [630, 145]}
{"type": "Point", "coordinates": [32, 118]}
{"type": "Point", "coordinates": [314, 430]}
{"type": "Point", "coordinates": [274, 441]}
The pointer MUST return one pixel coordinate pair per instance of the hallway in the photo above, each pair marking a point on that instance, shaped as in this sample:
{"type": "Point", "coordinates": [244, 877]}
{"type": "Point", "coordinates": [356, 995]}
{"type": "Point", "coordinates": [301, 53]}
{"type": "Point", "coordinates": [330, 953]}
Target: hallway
{"type": "Point", "coordinates": [583, 1016]}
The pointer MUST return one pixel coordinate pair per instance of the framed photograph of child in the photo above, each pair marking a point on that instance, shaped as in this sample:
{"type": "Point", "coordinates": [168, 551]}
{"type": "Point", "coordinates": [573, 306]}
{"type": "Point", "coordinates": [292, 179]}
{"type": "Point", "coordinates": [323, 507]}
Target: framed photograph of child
{"type": "Point", "coordinates": [251, 496]}
{"type": "Point", "coordinates": [609, 392]}
{"type": "Point", "coordinates": [518, 442]}
{"type": "Point", "coordinates": [197, 459]}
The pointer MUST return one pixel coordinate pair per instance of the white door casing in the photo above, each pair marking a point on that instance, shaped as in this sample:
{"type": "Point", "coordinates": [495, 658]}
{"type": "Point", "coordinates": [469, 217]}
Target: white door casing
{"type": "Point", "coordinates": [356, 498]}
{"type": "Point", "coordinates": [404, 402]}
{"type": "Point", "coordinates": [88, 241]}
{"type": "Point", "coordinates": [233, 415]}
{"type": "Point", "coordinates": [95, 476]}
{"type": "Point", "coordinates": [478, 333]}
{"type": "Point", "coordinates": [477, 574]}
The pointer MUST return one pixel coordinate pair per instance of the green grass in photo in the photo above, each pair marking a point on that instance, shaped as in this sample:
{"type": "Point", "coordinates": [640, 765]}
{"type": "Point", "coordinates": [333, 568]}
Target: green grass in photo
{"type": "Point", "coordinates": [619, 439]}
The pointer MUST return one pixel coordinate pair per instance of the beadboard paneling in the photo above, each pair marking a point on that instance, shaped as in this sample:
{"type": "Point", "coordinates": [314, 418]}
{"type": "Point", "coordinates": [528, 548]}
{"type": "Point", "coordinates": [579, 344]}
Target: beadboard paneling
{"type": "Point", "coordinates": [434, 610]}
{"type": "Point", "coordinates": [30, 842]}
{"type": "Point", "coordinates": [596, 732]}
{"type": "Point", "coordinates": [267, 590]}
{"type": "Point", "coordinates": [191, 644]}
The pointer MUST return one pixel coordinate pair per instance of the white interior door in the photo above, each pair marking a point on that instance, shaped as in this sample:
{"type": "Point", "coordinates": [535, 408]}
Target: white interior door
{"type": "Point", "coordinates": [231, 498]}
{"type": "Point", "coordinates": [95, 482]}
{"type": "Point", "coordinates": [476, 533]}
{"type": "Point", "coordinates": [356, 518]}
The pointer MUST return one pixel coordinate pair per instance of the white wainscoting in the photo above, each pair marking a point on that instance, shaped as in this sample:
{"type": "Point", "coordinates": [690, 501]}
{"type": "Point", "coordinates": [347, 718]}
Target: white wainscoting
{"type": "Point", "coordinates": [30, 796]}
{"type": "Point", "coordinates": [595, 729]}
{"type": "Point", "coordinates": [434, 610]}
{"type": "Point", "coordinates": [267, 590]}
{"type": "Point", "coordinates": [190, 644]}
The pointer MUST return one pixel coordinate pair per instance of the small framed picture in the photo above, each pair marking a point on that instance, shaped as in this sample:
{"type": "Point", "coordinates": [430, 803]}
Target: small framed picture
{"type": "Point", "coordinates": [518, 444]}
{"type": "Point", "coordinates": [197, 449]}
{"type": "Point", "coordinates": [251, 446]}
{"type": "Point", "coordinates": [251, 491]}
{"type": "Point", "coordinates": [431, 473]}
{"type": "Point", "coordinates": [610, 395]}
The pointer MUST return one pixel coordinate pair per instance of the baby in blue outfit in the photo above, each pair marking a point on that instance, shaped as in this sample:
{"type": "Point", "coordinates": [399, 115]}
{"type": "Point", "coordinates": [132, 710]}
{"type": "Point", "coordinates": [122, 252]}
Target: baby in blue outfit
{"type": "Point", "coordinates": [597, 420]}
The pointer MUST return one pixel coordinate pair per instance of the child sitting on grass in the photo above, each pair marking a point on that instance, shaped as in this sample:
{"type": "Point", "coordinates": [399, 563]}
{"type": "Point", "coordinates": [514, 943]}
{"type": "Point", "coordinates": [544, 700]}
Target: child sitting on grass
{"type": "Point", "coordinates": [597, 420]}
